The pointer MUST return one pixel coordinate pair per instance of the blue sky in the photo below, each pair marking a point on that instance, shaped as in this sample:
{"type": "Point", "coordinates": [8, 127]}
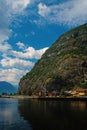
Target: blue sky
{"type": "Point", "coordinates": [29, 27]}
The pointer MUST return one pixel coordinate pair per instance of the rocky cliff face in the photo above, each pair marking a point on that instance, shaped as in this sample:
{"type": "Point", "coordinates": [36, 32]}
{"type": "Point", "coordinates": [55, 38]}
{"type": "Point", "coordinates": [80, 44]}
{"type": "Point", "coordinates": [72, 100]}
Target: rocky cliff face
{"type": "Point", "coordinates": [62, 67]}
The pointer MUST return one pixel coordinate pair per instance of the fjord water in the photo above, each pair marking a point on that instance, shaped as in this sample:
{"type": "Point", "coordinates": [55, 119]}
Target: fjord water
{"type": "Point", "coordinates": [10, 118]}
{"type": "Point", "coordinates": [33, 114]}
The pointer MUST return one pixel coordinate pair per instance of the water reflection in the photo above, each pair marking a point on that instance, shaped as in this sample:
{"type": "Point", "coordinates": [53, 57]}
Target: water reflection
{"type": "Point", "coordinates": [42, 115]}
{"type": "Point", "coordinates": [82, 106]}
{"type": "Point", "coordinates": [54, 115]}
{"type": "Point", "coordinates": [9, 116]}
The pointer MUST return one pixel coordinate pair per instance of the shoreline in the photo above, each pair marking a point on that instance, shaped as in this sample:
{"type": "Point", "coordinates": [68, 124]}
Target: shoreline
{"type": "Point", "coordinates": [82, 98]}
{"type": "Point", "coordinates": [64, 98]}
{"type": "Point", "coordinates": [18, 97]}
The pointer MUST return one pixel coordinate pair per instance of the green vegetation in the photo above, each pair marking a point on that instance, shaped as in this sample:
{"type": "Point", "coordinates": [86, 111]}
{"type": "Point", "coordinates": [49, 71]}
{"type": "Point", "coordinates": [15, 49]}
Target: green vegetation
{"type": "Point", "coordinates": [62, 67]}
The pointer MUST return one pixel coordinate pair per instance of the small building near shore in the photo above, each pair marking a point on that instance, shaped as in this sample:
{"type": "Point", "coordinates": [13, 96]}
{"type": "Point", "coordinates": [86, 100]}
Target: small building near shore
{"type": "Point", "coordinates": [81, 92]}
{"type": "Point", "coordinates": [78, 92]}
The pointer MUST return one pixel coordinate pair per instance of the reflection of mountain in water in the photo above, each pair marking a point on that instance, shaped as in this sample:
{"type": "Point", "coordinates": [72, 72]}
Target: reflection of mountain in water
{"type": "Point", "coordinates": [54, 115]}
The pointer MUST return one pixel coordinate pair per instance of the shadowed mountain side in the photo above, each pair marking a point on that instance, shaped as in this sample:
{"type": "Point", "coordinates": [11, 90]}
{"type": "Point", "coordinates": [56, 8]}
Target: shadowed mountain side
{"type": "Point", "coordinates": [7, 88]}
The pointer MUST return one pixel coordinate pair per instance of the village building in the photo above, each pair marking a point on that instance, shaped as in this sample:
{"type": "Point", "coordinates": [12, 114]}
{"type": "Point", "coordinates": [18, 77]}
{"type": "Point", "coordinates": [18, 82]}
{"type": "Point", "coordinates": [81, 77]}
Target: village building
{"type": "Point", "coordinates": [77, 93]}
{"type": "Point", "coordinates": [81, 92]}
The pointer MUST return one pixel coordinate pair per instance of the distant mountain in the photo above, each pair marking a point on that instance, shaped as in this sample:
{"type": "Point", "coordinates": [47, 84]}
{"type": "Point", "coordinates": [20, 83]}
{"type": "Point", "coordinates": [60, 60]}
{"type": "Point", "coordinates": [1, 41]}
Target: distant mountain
{"type": "Point", "coordinates": [62, 67]}
{"type": "Point", "coordinates": [6, 87]}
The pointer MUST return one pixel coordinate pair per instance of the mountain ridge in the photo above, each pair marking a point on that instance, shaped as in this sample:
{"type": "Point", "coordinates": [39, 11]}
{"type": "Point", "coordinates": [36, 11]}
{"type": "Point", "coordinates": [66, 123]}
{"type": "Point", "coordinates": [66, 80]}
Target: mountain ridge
{"type": "Point", "coordinates": [6, 87]}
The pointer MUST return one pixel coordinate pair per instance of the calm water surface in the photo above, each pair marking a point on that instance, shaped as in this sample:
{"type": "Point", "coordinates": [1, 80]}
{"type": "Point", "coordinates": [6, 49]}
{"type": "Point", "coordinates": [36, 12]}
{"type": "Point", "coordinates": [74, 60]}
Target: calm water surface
{"type": "Point", "coordinates": [33, 114]}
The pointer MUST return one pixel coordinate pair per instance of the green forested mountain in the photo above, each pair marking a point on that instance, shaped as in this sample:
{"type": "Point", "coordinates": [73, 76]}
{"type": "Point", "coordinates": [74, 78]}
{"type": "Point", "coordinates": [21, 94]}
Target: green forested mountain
{"type": "Point", "coordinates": [62, 67]}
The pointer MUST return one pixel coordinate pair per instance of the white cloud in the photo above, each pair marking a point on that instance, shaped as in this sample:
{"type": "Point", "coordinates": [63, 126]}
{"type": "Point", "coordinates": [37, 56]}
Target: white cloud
{"type": "Point", "coordinates": [4, 21]}
{"type": "Point", "coordinates": [40, 52]}
{"type": "Point", "coordinates": [12, 75]}
{"type": "Point", "coordinates": [14, 63]}
{"type": "Point", "coordinates": [25, 53]}
{"type": "Point", "coordinates": [5, 47]}
{"type": "Point", "coordinates": [29, 53]}
{"type": "Point", "coordinates": [4, 34]}
{"type": "Point", "coordinates": [17, 63]}
{"type": "Point", "coordinates": [20, 45]}
{"type": "Point", "coordinates": [18, 5]}
{"type": "Point", "coordinates": [8, 10]}
{"type": "Point", "coordinates": [12, 69]}
{"type": "Point", "coordinates": [69, 12]}
{"type": "Point", "coordinates": [43, 9]}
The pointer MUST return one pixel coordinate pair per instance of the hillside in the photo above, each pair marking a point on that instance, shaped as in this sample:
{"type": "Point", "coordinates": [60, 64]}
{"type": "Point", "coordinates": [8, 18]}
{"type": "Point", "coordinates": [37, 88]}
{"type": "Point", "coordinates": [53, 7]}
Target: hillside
{"type": "Point", "coordinates": [7, 88]}
{"type": "Point", "coordinates": [62, 67]}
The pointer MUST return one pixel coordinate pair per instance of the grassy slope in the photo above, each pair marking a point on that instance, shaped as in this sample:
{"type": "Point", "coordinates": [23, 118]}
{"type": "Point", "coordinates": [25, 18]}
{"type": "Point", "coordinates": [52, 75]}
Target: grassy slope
{"type": "Point", "coordinates": [62, 67]}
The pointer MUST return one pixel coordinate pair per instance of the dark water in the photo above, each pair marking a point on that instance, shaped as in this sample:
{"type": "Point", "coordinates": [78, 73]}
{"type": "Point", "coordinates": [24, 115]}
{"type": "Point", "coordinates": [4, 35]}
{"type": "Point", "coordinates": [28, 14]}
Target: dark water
{"type": "Point", "coordinates": [42, 115]}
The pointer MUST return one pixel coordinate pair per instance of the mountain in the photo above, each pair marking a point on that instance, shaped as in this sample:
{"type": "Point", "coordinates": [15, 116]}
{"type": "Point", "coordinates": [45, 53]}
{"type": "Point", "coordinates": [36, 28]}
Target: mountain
{"type": "Point", "coordinates": [62, 67]}
{"type": "Point", "coordinates": [7, 88]}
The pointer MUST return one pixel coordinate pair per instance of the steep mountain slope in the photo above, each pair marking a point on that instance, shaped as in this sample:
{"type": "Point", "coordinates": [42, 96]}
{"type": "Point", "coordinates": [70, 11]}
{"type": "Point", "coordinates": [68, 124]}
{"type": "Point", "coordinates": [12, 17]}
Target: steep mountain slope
{"type": "Point", "coordinates": [63, 66]}
{"type": "Point", "coordinates": [6, 87]}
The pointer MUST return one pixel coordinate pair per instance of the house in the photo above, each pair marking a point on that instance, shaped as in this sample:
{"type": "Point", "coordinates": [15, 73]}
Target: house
{"type": "Point", "coordinates": [81, 92]}
{"type": "Point", "coordinates": [52, 93]}
{"type": "Point", "coordinates": [74, 92]}
{"type": "Point", "coordinates": [67, 93]}
{"type": "Point", "coordinates": [78, 92]}
{"type": "Point", "coordinates": [55, 93]}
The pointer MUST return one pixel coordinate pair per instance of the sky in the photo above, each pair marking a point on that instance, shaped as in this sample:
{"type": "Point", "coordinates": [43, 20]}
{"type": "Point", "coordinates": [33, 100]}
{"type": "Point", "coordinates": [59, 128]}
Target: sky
{"type": "Point", "coordinates": [29, 27]}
